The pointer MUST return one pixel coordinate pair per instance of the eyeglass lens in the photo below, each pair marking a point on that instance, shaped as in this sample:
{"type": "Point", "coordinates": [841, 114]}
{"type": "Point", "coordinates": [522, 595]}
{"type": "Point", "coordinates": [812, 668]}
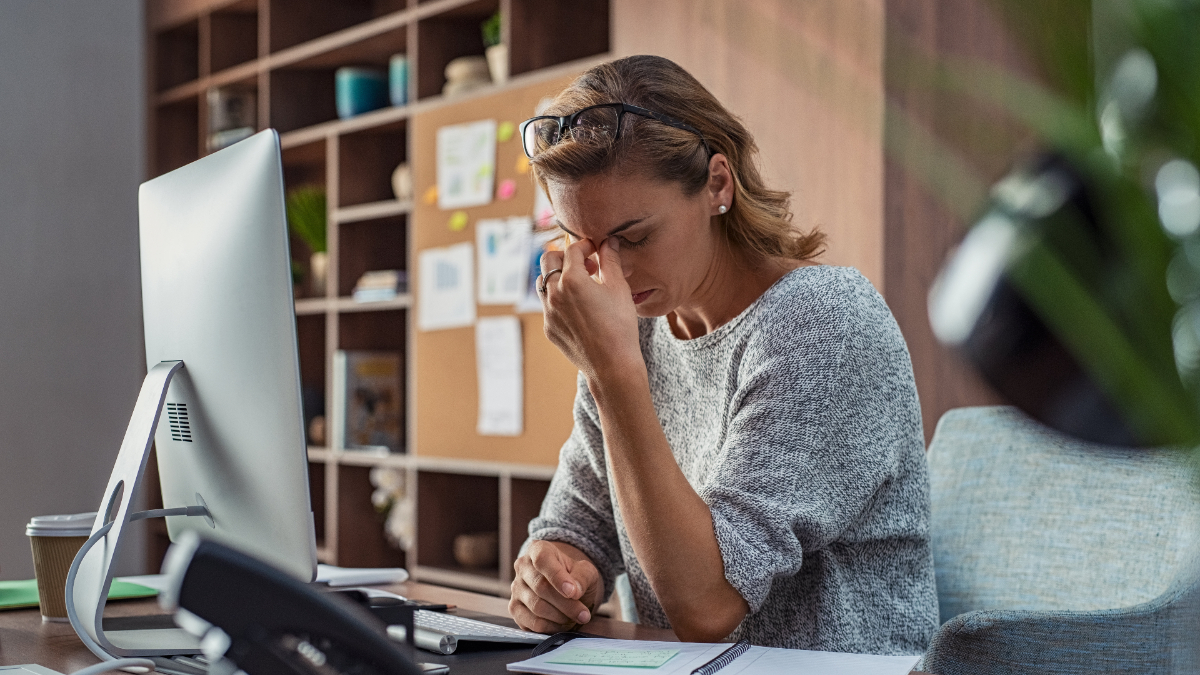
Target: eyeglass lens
{"type": "Point", "coordinates": [595, 125]}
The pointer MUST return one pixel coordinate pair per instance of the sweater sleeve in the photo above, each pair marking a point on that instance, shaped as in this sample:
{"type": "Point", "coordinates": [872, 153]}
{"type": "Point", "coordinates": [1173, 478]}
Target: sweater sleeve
{"type": "Point", "coordinates": [578, 507]}
{"type": "Point", "coordinates": [812, 437]}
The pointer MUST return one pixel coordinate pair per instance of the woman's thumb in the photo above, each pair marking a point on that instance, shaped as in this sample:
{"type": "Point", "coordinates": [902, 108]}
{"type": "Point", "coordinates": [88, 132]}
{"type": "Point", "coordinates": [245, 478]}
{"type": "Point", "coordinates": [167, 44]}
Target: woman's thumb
{"type": "Point", "coordinates": [610, 260]}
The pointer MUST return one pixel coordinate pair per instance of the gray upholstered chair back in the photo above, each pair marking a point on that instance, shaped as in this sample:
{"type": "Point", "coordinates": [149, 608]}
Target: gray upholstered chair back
{"type": "Point", "coordinates": [1026, 518]}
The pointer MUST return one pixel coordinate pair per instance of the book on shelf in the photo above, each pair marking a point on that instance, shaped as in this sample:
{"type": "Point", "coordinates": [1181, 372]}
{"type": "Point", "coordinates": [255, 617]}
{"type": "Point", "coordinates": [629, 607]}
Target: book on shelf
{"type": "Point", "coordinates": [380, 285]}
{"type": "Point", "coordinates": [368, 401]}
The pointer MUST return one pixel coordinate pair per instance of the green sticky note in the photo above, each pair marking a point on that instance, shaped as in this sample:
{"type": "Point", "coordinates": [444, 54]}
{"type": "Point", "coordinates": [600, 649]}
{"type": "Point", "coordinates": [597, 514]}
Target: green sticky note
{"type": "Point", "coordinates": [504, 132]}
{"type": "Point", "coordinates": [620, 658]}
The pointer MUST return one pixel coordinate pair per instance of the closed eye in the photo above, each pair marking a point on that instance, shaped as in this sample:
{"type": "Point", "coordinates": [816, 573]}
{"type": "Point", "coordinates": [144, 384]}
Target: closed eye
{"type": "Point", "coordinates": [628, 243]}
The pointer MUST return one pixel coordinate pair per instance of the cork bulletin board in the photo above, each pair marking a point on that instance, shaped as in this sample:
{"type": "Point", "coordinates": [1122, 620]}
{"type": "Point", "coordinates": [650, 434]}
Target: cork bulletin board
{"type": "Point", "coordinates": [446, 399]}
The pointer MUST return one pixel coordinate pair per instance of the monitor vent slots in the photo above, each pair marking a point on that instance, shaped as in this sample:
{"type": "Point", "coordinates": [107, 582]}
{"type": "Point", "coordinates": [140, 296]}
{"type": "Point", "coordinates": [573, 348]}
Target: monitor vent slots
{"type": "Point", "coordinates": [177, 414]}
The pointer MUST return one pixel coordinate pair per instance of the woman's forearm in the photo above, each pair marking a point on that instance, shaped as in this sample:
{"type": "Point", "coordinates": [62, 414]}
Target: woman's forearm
{"type": "Point", "coordinates": [669, 525]}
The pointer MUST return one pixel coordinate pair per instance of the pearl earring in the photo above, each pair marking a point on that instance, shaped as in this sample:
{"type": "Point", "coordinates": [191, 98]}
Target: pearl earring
{"type": "Point", "coordinates": [722, 209]}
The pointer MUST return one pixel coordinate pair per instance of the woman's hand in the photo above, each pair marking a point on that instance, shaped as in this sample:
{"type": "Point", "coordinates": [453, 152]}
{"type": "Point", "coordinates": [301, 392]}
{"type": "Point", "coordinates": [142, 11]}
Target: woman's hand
{"type": "Point", "coordinates": [590, 315]}
{"type": "Point", "coordinates": [556, 588]}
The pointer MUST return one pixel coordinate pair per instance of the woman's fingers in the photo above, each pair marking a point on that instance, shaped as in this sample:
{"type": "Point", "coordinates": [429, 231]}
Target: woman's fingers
{"type": "Point", "coordinates": [551, 582]}
{"type": "Point", "coordinates": [576, 255]}
{"type": "Point", "coordinates": [539, 606]}
{"type": "Point", "coordinates": [551, 260]}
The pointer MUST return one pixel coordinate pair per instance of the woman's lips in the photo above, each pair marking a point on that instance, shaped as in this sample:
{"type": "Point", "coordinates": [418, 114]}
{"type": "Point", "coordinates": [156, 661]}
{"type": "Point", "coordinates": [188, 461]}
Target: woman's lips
{"type": "Point", "coordinates": [639, 298]}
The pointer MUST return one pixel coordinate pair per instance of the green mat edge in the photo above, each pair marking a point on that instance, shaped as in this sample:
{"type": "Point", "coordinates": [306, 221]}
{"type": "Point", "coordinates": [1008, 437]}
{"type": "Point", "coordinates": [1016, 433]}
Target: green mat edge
{"type": "Point", "coordinates": [23, 593]}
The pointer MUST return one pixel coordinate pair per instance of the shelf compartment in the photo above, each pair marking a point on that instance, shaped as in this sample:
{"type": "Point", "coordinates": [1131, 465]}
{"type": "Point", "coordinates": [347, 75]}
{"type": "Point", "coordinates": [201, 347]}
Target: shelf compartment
{"type": "Point", "coordinates": [177, 135]}
{"type": "Point", "coordinates": [304, 164]}
{"type": "Point", "coordinates": [469, 581]}
{"type": "Point", "coordinates": [443, 37]}
{"type": "Point", "coordinates": [301, 98]}
{"type": "Point", "coordinates": [545, 33]}
{"type": "Point", "coordinates": [297, 21]}
{"type": "Point", "coordinates": [177, 55]}
{"type": "Point", "coordinates": [366, 162]}
{"type": "Point", "coordinates": [383, 330]}
{"type": "Point", "coordinates": [526, 496]}
{"type": "Point", "coordinates": [316, 489]}
{"type": "Point", "coordinates": [310, 339]}
{"type": "Point", "coordinates": [361, 541]}
{"type": "Point", "coordinates": [453, 504]}
{"type": "Point", "coordinates": [370, 45]}
{"type": "Point", "coordinates": [233, 33]}
{"type": "Point", "coordinates": [372, 210]}
{"type": "Point", "coordinates": [363, 246]}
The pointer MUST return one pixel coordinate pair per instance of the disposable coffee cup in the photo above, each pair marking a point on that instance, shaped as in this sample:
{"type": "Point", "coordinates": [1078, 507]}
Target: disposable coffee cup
{"type": "Point", "coordinates": [55, 540]}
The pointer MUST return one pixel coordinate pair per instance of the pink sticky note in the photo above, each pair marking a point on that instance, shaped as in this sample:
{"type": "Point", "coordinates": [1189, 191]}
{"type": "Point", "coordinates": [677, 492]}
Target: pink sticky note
{"type": "Point", "coordinates": [507, 189]}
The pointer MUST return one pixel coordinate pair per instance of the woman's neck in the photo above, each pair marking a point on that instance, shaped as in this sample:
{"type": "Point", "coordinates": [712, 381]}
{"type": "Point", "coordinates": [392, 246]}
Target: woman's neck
{"type": "Point", "coordinates": [733, 283]}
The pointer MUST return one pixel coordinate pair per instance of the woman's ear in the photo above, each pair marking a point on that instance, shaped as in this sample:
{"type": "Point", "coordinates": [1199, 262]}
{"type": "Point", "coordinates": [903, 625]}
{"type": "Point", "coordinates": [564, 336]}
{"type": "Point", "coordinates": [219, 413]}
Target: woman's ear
{"type": "Point", "coordinates": [720, 184]}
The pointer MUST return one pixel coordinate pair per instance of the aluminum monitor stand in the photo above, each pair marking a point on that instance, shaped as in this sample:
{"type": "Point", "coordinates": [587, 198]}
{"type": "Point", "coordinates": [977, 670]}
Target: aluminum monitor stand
{"type": "Point", "coordinates": [91, 572]}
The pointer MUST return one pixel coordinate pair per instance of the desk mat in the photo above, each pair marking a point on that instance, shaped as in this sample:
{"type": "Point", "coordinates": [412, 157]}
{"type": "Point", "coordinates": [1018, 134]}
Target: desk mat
{"type": "Point", "coordinates": [24, 593]}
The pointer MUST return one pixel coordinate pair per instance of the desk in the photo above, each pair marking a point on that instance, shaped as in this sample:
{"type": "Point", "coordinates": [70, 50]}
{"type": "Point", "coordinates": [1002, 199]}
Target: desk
{"type": "Point", "coordinates": [25, 639]}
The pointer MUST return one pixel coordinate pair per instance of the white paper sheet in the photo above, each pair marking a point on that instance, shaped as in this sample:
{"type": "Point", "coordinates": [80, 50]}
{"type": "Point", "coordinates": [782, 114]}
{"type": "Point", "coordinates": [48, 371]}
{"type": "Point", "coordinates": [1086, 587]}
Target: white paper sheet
{"type": "Point", "coordinates": [446, 297]}
{"type": "Point", "coordinates": [530, 302]}
{"type": "Point", "coordinates": [503, 247]}
{"type": "Point", "coordinates": [498, 363]}
{"type": "Point", "coordinates": [756, 661]}
{"type": "Point", "coordinates": [466, 164]}
{"type": "Point", "coordinates": [359, 576]}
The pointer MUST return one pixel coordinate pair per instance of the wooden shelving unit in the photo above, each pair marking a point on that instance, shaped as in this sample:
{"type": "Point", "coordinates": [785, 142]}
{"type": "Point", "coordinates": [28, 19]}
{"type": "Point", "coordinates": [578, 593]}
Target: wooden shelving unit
{"type": "Point", "coordinates": [287, 52]}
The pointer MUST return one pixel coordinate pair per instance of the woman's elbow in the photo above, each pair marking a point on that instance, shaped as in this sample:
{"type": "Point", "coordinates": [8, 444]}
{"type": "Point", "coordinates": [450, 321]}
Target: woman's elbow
{"type": "Point", "coordinates": [710, 624]}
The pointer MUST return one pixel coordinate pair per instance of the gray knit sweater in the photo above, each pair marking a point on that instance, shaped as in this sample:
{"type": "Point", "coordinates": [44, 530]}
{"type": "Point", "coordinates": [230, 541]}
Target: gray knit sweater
{"type": "Point", "coordinates": [797, 423]}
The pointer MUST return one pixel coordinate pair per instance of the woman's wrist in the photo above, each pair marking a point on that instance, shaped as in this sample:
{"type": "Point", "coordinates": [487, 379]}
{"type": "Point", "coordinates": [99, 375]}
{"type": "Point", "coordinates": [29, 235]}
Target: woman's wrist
{"type": "Point", "coordinates": [618, 383]}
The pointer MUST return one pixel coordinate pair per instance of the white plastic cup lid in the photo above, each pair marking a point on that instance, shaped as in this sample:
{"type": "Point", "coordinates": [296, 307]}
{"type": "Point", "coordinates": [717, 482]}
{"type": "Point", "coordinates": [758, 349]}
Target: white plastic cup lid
{"type": "Point", "coordinates": [73, 525]}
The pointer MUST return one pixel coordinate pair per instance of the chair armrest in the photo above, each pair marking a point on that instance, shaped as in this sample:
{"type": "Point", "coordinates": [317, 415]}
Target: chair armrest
{"type": "Point", "coordinates": [1156, 637]}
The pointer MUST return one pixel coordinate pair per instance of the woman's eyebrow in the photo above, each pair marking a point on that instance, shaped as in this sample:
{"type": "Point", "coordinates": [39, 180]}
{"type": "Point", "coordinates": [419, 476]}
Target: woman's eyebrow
{"type": "Point", "coordinates": [617, 230]}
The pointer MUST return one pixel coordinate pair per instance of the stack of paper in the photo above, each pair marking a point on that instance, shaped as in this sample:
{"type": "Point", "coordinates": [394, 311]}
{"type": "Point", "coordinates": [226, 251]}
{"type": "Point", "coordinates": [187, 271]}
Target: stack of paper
{"type": "Point", "coordinates": [594, 656]}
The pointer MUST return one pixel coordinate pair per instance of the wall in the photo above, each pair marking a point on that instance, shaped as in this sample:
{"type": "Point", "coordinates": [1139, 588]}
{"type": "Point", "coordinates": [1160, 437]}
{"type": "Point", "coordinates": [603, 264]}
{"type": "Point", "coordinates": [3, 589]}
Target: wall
{"type": "Point", "coordinates": [71, 157]}
{"type": "Point", "coordinates": [807, 79]}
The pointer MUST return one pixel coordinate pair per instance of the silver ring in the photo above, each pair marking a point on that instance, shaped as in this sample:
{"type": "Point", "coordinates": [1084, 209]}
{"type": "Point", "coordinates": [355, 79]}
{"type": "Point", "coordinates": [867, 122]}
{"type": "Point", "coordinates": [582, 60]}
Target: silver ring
{"type": "Point", "coordinates": [546, 278]}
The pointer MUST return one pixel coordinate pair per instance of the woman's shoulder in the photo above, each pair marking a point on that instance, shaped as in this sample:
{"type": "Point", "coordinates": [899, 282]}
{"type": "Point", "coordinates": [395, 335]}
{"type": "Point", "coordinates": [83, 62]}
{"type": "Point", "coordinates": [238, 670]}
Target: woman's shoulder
{"type": "Point", "coordinates": [819, 294]}
{"type": "Point", "coordinates": [823, 305]}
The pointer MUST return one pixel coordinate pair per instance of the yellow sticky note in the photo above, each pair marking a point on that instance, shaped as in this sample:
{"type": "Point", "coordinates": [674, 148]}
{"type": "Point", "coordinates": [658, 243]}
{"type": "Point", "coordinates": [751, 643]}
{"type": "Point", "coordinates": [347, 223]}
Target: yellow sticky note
{"type": "Point", "coordinates": [504, 132]}
{"type": "Point", "coordinates": [458, 221]}
{"type": "Point", "coordinates": [522, 164]}
{"type": "Point", "coordinates": [430, 196]}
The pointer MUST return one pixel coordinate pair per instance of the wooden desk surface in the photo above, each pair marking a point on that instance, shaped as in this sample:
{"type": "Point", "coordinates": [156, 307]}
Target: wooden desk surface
{"type": "Point", "coordinates": [24, 638]}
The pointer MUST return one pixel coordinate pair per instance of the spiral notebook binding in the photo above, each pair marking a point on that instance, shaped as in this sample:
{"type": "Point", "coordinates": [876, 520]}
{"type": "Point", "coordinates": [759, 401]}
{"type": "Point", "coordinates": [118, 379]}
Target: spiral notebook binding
{"type": "Point", "coordinates": [723, 659]}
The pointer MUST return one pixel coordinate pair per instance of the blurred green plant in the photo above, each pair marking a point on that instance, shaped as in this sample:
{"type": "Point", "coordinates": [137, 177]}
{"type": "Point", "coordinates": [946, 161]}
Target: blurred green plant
{"type": "Point", "coordinates": [306, 214]}
{"type": "Point", "coordinates": [1115, 277]}
{"type": "Point", "coordinates": [491, 30]}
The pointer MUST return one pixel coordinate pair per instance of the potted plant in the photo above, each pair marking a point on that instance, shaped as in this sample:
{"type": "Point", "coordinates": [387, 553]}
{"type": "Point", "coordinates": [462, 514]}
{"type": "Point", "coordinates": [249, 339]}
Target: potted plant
{"type": "Point", "coordinates": [495, 50]}
{"type": "Point", "coordinates": [306, 215]}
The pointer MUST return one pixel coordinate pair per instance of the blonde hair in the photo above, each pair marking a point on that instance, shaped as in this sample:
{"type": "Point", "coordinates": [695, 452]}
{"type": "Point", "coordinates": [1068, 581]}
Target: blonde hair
{"type": "Point", "coordinates": [758, 220]}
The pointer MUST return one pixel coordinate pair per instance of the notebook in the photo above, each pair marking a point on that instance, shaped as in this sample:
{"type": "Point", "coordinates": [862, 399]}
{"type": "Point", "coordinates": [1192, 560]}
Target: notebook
{"type": "Point", "coordinates": [688, 656]}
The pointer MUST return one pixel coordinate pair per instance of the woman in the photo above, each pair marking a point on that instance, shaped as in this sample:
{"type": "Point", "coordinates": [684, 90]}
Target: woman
{"type": "Point", "coordinates": [747, 441]}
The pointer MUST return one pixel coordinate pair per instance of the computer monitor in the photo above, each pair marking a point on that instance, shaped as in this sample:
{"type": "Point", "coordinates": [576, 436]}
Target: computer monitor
{"type": "Point", "coordinates": [216, 296]}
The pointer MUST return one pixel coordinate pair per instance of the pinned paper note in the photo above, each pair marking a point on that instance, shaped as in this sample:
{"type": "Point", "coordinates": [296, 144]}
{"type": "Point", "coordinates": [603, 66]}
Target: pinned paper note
{"type": "Point", "coordinates": [620, 658]}
{"type": "Point", "coordinates": [446, 291]}
{"type": "Point", "coordinates": [466, 164]}
{"type": "Point", "coordinates": [504, 132]}
{"type": "Point", "coordinates": [508, 188]}
{"type": "Point", "coordinates": [430, 196]}
{"type": "Point", "coordinates": [539, 243]}
{"type": "Point", "coordinates": [522, 165]}
{"type": "Point", "coordinates": [498, 362]}
{"type": "Point", "coordinates": [503, 247]}
{"type": "Point", "coordinates": [458, 221]}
